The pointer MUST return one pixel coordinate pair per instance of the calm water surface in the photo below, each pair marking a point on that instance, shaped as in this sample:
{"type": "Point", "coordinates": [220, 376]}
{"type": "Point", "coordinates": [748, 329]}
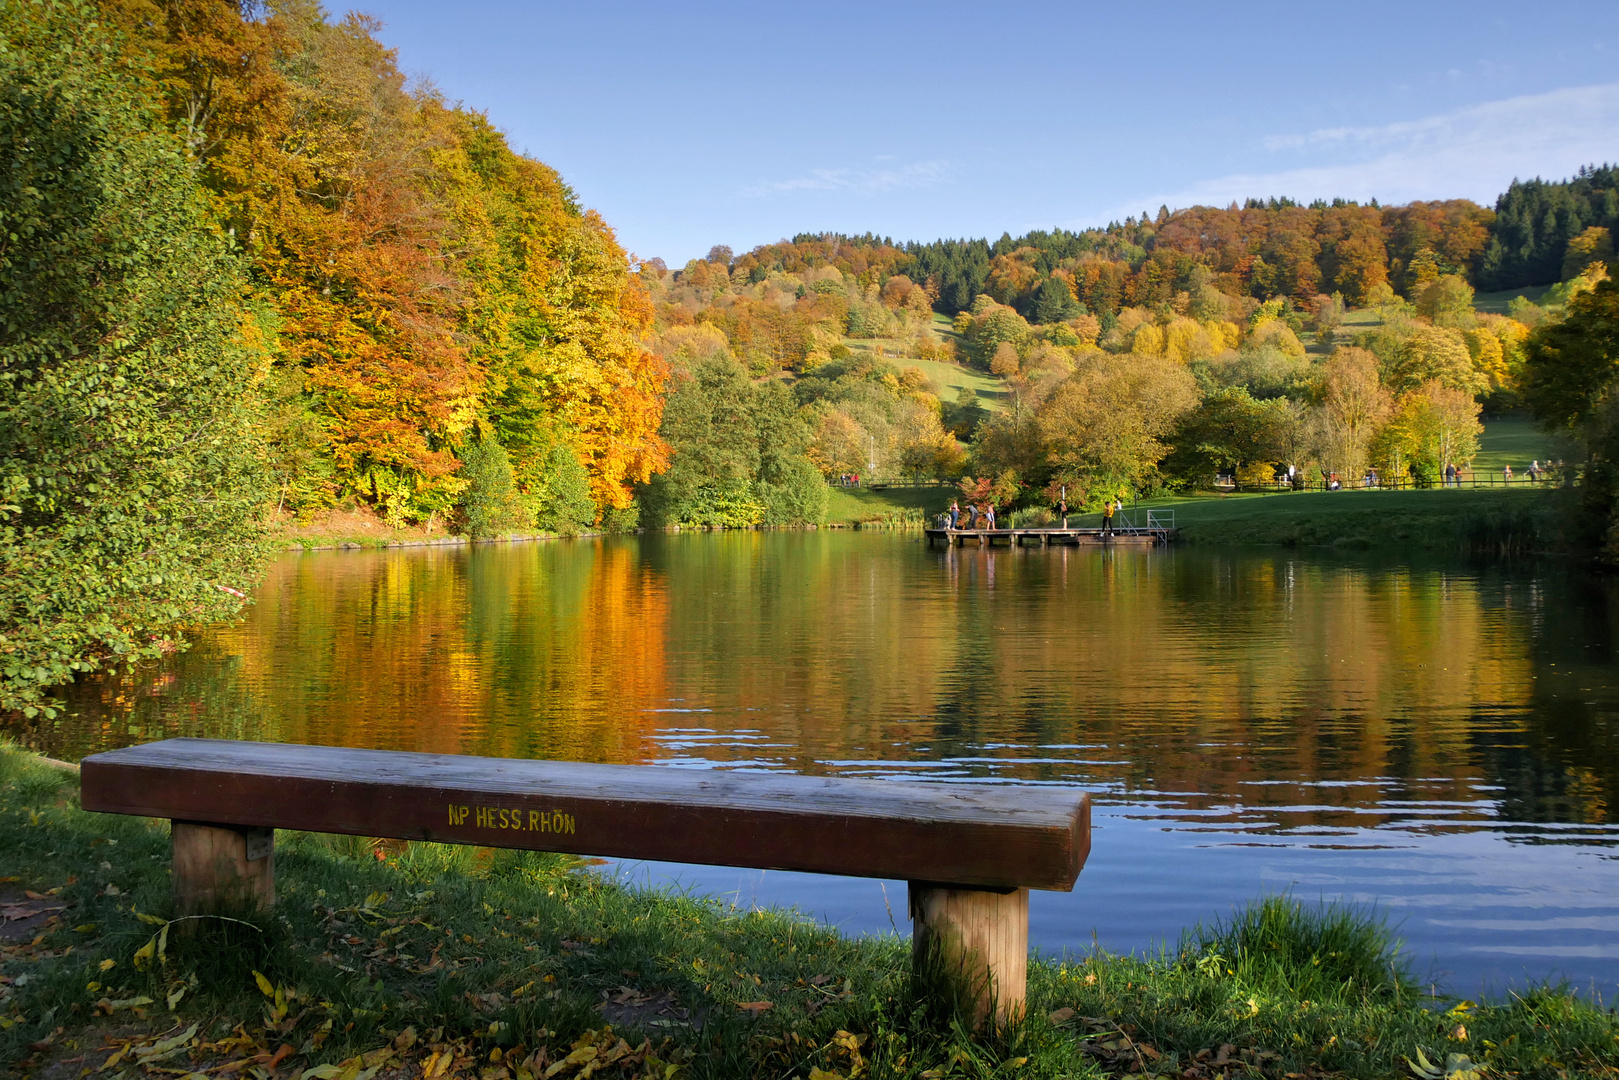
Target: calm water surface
{"type": "Point", "coordinates": [1439, 740]}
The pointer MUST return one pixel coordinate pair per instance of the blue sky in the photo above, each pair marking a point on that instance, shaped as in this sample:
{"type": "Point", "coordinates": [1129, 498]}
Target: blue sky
{"type": "Point", "coordinates": [695, 124]}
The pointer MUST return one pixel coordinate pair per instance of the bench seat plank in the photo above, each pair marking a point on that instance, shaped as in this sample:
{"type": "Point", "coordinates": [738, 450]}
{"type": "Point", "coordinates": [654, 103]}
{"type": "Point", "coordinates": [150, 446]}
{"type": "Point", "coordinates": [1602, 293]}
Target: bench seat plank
{"type": "Point", "coordinates": [987, 836]}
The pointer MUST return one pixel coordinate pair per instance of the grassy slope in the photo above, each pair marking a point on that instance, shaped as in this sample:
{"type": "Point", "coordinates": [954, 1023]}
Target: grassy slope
{"type": "Point", "coordinates": [1496, 302]}
{"type": "Point", "coordinates": [949, 378]}
{"type": "Point", "coordinates": [503, 965]}
{"type": "Point", "coordinates": [850, 506]}
{"type": "Point", "coordinates": [1517, 441]}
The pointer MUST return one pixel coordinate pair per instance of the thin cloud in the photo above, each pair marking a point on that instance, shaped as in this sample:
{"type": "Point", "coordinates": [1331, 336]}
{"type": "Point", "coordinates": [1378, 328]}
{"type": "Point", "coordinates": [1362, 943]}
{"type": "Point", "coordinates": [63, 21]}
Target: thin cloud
{"type": "Point", "coordinates": [920, 174]}
{"type": "Point", "coordinates": [1469, 153]}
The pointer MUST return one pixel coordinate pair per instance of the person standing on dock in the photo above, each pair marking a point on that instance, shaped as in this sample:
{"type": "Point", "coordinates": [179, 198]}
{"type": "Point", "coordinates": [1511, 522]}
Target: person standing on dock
{"type": "Point", "coordinates": [1107, 517]}
{"type": "Point", "coordinates": [955, 513]}
{"type": "Point", "coordinates": [989, 516]}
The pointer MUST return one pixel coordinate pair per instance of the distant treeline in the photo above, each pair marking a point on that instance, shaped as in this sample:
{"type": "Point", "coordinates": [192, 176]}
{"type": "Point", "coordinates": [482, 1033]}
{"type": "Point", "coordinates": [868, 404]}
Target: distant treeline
{"type": "Point", "coordinates": [1263, 249]}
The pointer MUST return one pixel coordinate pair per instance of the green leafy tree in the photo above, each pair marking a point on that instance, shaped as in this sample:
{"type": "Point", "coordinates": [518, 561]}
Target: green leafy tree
{"type": "Point", "coordinates": [1228, 430]}
{"type": "Point", "coordinates": [1448, 301]}
{"type": "Point", "coordinates": [131, 479]}
{"type": "Point", "coordinates": [490, 503]}
{"type": "Point", "coordinates": [1570, 376]}
{"type": "Point", "coordinates": [565, 506]}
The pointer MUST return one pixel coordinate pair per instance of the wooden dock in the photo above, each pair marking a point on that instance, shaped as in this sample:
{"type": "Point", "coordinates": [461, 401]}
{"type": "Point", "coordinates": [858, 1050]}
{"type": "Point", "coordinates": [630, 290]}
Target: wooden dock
{"type": "Point", "coordinates": [1044, 537]}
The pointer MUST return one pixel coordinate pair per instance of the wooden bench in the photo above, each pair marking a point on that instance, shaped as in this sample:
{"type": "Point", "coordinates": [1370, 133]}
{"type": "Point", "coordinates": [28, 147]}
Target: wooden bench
{"type": "Point", "coordinates": [970, 852]}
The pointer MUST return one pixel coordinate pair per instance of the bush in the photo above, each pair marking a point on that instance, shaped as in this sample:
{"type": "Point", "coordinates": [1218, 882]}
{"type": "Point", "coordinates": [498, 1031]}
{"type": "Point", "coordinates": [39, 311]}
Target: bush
{"type": "Point", "coordinates": [796, 495]}
{"type": "Point", "coordinates": [1032, 518]}
{"type": "Point", "coordinates": [566, 507]}
{"type": "Point", "coordinates": [490, 505]}
{"type": "Point", "coordinates": [621, 519]}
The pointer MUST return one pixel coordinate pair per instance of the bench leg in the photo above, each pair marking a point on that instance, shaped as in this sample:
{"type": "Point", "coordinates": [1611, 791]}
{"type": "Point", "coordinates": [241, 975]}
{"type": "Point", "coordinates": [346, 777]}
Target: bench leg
{"type": "Point", "coordinates": [222, 869]}
{"type": "Point", "coordinates": [971, 948]}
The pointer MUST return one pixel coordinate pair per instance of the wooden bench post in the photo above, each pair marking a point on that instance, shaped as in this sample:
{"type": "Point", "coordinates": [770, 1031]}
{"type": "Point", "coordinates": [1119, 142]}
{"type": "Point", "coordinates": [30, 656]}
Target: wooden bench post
{"type": "Point", "coordinates": [222, 869]}
{"type": "Point", "coordinates": [971, 948]}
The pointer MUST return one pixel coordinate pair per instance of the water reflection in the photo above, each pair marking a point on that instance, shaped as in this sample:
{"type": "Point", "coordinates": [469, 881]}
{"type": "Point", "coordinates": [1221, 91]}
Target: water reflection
{"type": "Point", "coordinates": [1406, 733]}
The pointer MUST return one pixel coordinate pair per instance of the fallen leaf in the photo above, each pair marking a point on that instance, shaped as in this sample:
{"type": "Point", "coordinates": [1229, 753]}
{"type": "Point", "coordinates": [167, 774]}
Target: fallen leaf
{"type": "Point", "coordinates": [754, 1007]}
{"type": "Point", "coordinates": [1061, 1015]}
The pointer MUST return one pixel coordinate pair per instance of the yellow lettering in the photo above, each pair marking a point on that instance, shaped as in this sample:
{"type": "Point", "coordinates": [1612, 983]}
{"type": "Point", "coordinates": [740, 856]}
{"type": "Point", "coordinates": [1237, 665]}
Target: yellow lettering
{"type": "Point", "coordinates": [489, 817]}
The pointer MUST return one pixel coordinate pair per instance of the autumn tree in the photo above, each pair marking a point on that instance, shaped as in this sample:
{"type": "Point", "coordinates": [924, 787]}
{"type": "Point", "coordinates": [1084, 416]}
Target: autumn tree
{"type": "Point", "coordinates": [1107, 423]}
{"type": "Point", "coordinates": [1354, 405]}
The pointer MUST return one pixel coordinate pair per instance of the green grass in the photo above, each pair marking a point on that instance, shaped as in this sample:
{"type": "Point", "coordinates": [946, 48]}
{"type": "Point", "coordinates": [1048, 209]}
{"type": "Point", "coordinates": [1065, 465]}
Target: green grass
{"type": "Point", "coordinates": [516, 966]}
{"type": "Point", "coordinates": [1512, 520]}
{"type": "Point", "coordinates": [859, 506]}
{"type": "Point", "coordinates": [951, 378]}
{"type": "Point", "coordinates": [1517, 442]}
{"type": "Point", "coordinates": [1496, 303]}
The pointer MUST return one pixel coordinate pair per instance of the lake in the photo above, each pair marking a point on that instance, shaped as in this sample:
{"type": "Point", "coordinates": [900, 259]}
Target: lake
{"type": "Point", "coordinates": [1435, 739]}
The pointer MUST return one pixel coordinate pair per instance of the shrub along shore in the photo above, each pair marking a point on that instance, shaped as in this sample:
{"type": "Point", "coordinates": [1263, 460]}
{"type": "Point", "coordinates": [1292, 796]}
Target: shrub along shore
{"type": "Point", "coordinates": [420, 960]}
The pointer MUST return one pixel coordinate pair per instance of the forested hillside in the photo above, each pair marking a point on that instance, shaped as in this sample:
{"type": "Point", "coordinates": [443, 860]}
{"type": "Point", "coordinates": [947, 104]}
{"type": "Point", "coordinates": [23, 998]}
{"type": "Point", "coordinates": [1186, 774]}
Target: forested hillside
{"type": "Point", "coordinates": [421, 287]}
{"type": "Point", "coordinates": [1328, 341]}
{"type": "Point", "coordinates": [251, 272]}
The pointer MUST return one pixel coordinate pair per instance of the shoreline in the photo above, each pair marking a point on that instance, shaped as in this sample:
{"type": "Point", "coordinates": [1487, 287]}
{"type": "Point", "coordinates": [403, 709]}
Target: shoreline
{"type": "Point", "coordinates": [395, 960]}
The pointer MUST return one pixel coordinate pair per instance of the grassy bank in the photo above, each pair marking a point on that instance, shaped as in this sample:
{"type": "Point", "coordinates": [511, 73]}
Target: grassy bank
{"type": "Point", "coordinates": [885, 506]}
{"type": "Point", "coordinates": [391, 960]}
{"type": "Point", "coordinates": [1516, 441]}
{"type": "Point", "coordinates": [1502, 521]}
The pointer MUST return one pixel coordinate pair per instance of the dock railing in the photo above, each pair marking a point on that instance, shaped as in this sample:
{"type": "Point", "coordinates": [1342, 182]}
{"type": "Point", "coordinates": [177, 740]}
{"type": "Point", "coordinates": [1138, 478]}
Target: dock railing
{"type": "Point", "coordinates": [1161, 521]}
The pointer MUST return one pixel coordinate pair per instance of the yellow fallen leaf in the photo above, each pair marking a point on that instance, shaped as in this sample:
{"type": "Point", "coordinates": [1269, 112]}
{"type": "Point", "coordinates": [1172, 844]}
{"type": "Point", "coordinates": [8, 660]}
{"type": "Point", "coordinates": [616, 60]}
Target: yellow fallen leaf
{"type": "Point", "coordinates": [108, 964]}
{"type": "Point", "coordinates": [754, 1007]}
{"type": "Point", "coordinates": [578, 1057]}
